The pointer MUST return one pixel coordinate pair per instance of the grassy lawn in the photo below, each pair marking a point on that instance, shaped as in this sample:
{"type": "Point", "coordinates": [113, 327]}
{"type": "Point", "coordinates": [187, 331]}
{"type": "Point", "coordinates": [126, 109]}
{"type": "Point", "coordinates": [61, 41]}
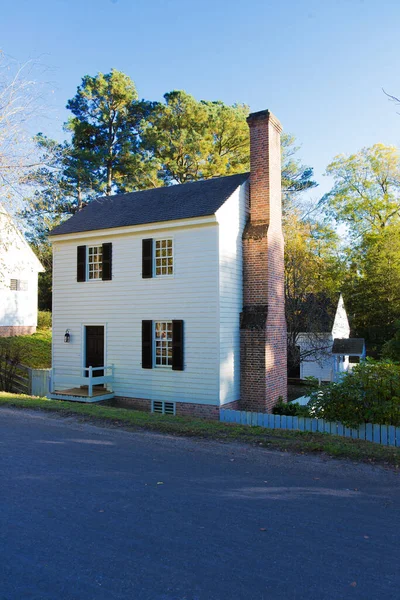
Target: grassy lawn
{"type": "Point", "coordinates": [293, 441]}
{"type": "Point", "coordinates": [35, 349]}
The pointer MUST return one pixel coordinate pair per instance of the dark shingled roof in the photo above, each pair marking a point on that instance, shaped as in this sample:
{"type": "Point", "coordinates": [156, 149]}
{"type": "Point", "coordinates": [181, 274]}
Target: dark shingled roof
{"type": "Point", "coordinates": [349, 347]}
{"type": "Point", "coordinates": [185, 201]}
{"type": "Point", "coordinates": [316, 313]}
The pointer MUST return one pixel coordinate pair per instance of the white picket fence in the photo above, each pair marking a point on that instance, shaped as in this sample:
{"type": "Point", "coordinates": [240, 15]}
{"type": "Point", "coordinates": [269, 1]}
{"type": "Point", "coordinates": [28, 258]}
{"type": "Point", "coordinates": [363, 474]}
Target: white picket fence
{"type": "Point", "coordinates": [386, 435]}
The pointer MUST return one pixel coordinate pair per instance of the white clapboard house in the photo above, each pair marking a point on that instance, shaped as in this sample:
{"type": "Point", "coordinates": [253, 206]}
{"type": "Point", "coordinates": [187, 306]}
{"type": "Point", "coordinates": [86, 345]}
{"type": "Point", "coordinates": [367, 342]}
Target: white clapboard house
{"type": "Point", "coordinates": [328, 350]}
{"type": "Point", "coordinates": [151, 292]}
{"type": "Point", "coordinates": [19, 268]}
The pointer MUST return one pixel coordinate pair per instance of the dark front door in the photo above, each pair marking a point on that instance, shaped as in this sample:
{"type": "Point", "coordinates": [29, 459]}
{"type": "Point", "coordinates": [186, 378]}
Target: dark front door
{"type": "Point", "coordinates": [95, 348]}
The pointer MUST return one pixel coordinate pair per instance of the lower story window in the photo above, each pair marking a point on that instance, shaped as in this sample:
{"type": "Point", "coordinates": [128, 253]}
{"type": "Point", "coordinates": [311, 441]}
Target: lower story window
{"type": "Point", "coordinates": [163, 343]}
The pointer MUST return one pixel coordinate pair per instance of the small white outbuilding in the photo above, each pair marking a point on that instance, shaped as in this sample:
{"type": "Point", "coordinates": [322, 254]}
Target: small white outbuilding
{"type": "Point", "coordinates": [19, 268]}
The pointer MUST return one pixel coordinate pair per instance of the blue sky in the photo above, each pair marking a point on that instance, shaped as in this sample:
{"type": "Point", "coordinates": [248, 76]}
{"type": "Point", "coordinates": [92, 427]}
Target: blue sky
{"type": "Point", "coordinates": [318, 65]}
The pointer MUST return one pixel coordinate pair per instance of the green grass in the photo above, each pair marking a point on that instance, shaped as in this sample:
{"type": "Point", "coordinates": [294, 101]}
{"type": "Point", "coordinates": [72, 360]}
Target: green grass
{"type": "Point", "coordinates": [276, 439]}
{"type": "Point", "coordinates": [35, 349]}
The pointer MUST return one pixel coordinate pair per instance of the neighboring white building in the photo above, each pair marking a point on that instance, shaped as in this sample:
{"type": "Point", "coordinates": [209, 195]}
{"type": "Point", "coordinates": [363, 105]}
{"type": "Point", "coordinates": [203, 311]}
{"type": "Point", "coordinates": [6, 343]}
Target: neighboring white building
{"type": "Point", "coordinates": [148, 292]}
{"type": "Point", "coordinates": [330, 346]}
{"type": "Point", "coordinates": [19, 268]}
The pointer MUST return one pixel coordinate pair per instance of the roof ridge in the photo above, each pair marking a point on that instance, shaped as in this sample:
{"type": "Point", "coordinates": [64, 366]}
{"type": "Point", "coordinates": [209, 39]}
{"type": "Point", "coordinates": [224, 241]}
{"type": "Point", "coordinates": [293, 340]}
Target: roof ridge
{"type": "Point", "coordinates": [167, 203]}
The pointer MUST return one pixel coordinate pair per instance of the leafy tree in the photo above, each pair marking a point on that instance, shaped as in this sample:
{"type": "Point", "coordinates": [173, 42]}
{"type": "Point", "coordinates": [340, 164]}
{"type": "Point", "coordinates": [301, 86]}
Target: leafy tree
{"type": "Point", "coordinates": [62, 183]}
{"type": "Point", "coordinates": [391, 348]}
{"type": "Point", "coordinates": [106, 132]}
{"type": "Point", "coordinates": [372, 287]}
{"type": "Point", "coordinates": [296, 177]}
{"type": "Point", "coordinates": [314, 271]}
{"type": "Point", "coordinates": [61, 186]}
{"type": "Point", "coordinates": [366, 192]}
{"type": "Point", "coordinates": [193, 140]}
{"type": "Point", "coordinates": [43, 251]}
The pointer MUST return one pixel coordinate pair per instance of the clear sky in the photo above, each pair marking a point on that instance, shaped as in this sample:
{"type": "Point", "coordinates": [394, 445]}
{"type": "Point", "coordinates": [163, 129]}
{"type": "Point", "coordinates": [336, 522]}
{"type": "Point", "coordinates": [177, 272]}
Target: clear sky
{"type": "Point", "coordinates": [319, 65]}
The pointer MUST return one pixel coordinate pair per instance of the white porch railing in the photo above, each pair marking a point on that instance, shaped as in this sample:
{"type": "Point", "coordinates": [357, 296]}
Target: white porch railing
{"type": "Point", "coordinates": [61, 378]}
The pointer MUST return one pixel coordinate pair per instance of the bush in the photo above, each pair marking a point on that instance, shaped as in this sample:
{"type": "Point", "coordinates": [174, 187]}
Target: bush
{"type": "Point", "coordinates": [10, 357]}
{"type": "Point", "coordinates": [368, 394]}
{"type": "Point", "coordinates": [391, 349]}
{"type": "Point", "coordinates": [290, 409]}
{"type": "Point", "coordinates": [44, 319]}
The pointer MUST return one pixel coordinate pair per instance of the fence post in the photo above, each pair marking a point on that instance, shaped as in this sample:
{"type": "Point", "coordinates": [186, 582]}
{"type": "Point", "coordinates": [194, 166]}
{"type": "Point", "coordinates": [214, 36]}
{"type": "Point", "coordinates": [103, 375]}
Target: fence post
{"type": "Point", "coordinates": [90, 381]}
{"type": "Point", "coordinates": [29, 382]}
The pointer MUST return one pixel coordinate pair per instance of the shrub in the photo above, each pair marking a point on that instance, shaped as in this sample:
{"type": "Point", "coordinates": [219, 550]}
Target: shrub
{"type": "Point", "coordinates": [44, 319]}
{"type": "Point", "coordinates": [10, 357]}
{"type": "Point", "coordinates": [368, 394]}
{"type": "Point", "coordinates": [290, 409]}
{"type": "Point", "coordinates": [391, 349]}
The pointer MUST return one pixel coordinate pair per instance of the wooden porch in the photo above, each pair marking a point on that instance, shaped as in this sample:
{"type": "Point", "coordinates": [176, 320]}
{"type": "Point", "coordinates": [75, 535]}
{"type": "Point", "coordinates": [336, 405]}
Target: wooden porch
{"type": "Point", "coordinates": [89, 386]}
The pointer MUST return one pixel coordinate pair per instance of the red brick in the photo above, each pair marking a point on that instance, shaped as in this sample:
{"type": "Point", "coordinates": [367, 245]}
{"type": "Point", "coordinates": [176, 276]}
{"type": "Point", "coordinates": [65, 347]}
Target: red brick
{"type": "Point", "coordinates": [11, 330]}
{"type": "Point", "coordinates": [263, 325]}
{"type": "Point", "coordinates": [205, 411]}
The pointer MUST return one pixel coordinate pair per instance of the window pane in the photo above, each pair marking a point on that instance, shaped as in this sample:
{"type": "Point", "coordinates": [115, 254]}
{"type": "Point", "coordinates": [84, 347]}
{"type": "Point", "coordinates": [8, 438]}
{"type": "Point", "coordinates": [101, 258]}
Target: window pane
{"type": "Point", "coordinates": [163, 343]}
{"type": "Point", "coordinates": [163, 257]}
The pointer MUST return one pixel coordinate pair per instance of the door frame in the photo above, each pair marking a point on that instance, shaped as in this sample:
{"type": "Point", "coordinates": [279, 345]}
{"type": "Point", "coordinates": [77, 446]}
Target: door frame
{"type": "Point", "coordinates": [83, 341]}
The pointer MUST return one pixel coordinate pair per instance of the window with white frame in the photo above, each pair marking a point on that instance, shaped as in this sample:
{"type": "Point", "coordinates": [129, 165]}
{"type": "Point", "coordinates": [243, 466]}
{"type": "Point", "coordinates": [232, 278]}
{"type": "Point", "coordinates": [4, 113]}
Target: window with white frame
{"type": "Point", "coordinates": [18, 285]}
{"type": "Point", "coordinates": [94, 262]}
{"type": "Point", "coordinates": [163, 257]}
{"type": "Point", "coordinates": [163, 343]}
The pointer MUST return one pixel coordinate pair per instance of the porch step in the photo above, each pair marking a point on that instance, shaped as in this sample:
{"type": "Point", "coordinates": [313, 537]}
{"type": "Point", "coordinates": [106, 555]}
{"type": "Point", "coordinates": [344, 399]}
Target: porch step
{"type": "Point", "coordinates": [80, 397]}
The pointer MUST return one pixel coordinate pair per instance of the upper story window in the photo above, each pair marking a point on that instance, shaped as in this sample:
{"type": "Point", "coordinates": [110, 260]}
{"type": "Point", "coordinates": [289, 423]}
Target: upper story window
{"type": "Point", "coordinates": [157, 257]}
{"type": "Point", "coordinates": [18, 285]}
{"type": "Point", "coordinates": [163, 257]}
{"type": "Point", "coordinates": [94, 262]}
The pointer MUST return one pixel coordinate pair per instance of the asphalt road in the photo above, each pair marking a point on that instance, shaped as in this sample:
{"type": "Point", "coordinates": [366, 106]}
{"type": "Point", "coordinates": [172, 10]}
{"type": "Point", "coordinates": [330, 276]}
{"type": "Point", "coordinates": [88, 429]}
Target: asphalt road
{"type": "Point", "coordinates": [91, 513]}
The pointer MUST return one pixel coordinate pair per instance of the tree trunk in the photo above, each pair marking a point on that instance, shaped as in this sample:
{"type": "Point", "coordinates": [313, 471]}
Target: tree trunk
{"type": "Point", "coordinates": [80, 203]}
{"type": "Point", "coordinates": [109, 179]}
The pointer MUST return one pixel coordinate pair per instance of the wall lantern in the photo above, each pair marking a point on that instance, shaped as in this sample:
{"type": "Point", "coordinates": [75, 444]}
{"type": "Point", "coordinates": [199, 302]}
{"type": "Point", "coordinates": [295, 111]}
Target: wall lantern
{"type": "Point", "coordinates": [67, 336]}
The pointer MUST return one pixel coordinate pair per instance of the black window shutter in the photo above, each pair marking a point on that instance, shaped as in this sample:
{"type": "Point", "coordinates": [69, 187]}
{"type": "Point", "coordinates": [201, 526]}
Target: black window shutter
{"type": "Point", "coordinates": [107, 262]}
{"type": "Point", "coordinates": [147, 258]}
{"type": "Point", "coordinates": [177, 345]}
{"type": "Point", "coordinates": [147, 344]}
{"type": "Point", "coordinates": [81, 265]}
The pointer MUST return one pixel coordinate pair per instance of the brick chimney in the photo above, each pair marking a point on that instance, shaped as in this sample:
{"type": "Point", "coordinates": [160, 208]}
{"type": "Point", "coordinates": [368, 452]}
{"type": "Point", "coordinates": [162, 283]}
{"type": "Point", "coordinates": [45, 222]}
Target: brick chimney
{"type": "Point", "coordinates": [262, 324]}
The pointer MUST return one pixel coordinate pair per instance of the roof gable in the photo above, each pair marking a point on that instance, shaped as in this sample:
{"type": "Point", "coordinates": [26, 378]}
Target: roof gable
{"type": "Point", "coordinates": [15, 252]}
{"type": "Point", "coordinates": [316, 313]}
{"type": "Point", "coordinates": [185, 201]}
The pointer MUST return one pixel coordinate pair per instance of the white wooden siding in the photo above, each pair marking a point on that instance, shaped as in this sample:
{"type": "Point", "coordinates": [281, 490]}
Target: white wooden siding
{"type": "Point", "coordinates": [311, 368]}
{"type": "Point", "coordinates": [232, 219]}
{"type": "Point", "coordinates": [17, 261]}
{"type": "Point", "coordinates": [19, 308]}
{"type": "Point", "coordinates": [121, 304]}
{"type": "Point", "coordinates": [320, 366]}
